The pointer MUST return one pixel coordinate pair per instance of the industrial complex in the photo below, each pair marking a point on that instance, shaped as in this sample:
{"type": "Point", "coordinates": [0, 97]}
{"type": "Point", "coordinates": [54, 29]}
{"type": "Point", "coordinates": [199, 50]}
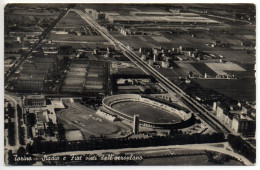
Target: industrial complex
{"type": "Point", "coordinates": [130, 84]}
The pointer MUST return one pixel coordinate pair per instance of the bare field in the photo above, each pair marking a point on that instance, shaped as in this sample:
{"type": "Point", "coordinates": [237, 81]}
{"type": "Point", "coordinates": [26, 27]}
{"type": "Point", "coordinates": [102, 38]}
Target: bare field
{"type": "Point", "coordinates": [187, 67]}
{"type": "Point", "coordinates": [203, 68]}
{"type": "Point", "coordinates": [72, 19]}
{"type": "Point", "coordinates": [167, 72]}
{"type": "Point", "coordinates": [34, 12]}
{"type": "Point", "coordinates": [220, 68]}
{"type": "Point", "coordinates": [251, 37]}
{"type": "Point", "coordinates": [137, 42]}
{"type": "Point", "coordinates": [239, 56]}
{"type": "Point", "coordinates": [242, 89]}
{"type": "Point", "coordinates": [161, 39]}
{"type": "Point", "coordinates": [70, 37]}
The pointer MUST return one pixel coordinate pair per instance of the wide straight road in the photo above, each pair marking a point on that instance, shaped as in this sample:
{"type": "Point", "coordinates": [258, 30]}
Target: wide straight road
{"type": "Point", "coordinates": [168, 85]}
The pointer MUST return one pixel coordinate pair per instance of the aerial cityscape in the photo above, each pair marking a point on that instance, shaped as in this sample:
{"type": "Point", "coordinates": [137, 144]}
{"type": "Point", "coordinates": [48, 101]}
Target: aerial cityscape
{"type": "Point", "coordinates": [129, 84]}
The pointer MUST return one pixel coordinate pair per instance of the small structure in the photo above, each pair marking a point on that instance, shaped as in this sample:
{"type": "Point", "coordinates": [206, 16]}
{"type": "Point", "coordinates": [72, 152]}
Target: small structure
{"type": "Point", "coordinates": [136, 124]}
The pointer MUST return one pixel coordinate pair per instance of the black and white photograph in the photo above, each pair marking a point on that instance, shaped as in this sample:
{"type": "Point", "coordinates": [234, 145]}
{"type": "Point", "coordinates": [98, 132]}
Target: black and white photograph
{"type": "Point", "coordinates": [119, 84]}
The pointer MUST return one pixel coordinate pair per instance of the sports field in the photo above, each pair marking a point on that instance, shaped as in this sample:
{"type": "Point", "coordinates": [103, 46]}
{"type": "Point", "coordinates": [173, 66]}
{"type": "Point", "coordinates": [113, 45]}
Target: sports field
{"type": "Point", "coordinates": [146, 112]}
{"type": "Point", "coordinates": [85, 119]}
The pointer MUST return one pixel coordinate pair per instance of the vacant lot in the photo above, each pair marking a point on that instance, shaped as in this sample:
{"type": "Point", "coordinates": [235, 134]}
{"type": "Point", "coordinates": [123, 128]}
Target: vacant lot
{"type": "Point", "coordinates": [220, 68]}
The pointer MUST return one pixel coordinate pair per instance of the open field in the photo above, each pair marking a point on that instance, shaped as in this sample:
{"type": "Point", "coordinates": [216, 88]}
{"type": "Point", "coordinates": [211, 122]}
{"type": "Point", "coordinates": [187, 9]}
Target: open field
{"type": "Point", "coordinates": [239, 56]}
{"type": "Point", "coordinates": [249, 73]}
{"type": "Point", "coordinates": [187, 67]}
{"type": "Point", "coordinates": [160, 39]}
{"type": "Point", "coordinates": [72, 135]}
{"type": "Point", "coordinates": [73, 80]}
{"type": "Point", "coordinates": [137, 42]}
{"type": "Point", "coordinates": [70, 37]}
{"type": "Point", "coordinates": [203, 68]}
{"type": "Point", "coordinates": [220, 68]}
{"type": "Point", "coordinates": [167, 72]}
{"type": "Point", "coordinates": [146, 112]}
{"type": "Point", "coordinates": [72, 19]}
{"type": "Point", "coordinates": [79, 44]}
{"type": "Point", "coordinates": [242, 89]}
{"type": "Point", "coordinates": [34, 12]}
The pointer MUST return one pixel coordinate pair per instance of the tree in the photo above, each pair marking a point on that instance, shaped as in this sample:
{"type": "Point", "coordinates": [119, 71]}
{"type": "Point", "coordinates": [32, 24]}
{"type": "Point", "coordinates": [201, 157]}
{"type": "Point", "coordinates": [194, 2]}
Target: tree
{"type": "Point", "coordinates": [21, 151]}
{"type": "Point", "coordinates": [29, 148]}
{"type": "Point", "coordinates": [190, 74]}
{"type": "Point", "coordinates": [10, 158]}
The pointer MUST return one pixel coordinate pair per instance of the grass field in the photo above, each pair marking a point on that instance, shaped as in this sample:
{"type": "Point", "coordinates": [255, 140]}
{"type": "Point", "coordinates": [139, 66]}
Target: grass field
{"type": "Point", "coordinates": [146, 112]}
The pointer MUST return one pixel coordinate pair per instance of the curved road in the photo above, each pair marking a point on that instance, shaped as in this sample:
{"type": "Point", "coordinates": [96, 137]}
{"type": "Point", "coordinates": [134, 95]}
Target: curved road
{"type": "Point", "coordinates": [207, 147]}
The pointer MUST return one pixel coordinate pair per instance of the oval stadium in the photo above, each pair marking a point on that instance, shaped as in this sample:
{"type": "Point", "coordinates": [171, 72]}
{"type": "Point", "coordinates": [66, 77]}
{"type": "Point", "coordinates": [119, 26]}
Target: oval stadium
{"type": "Point", "coordinates": [153, 112]}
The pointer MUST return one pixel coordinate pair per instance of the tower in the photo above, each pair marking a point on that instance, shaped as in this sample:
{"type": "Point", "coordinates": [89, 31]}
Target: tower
{"type": "Point", "coordinates": [136, 124]}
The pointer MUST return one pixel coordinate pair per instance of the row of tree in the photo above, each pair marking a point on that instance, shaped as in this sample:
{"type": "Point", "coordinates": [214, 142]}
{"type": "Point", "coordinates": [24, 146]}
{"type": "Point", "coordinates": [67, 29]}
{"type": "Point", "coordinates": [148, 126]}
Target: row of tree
{"type": "Point", "coordinates": [21, 130]}
{"type": "Point", "coordinates": [10, 111]}
{"type": "Point", "coordinates": [11, 133]}
{"type": "Point", "coordinates": [106, 143]}
{"type": "Point", "coordinates": [242, 147]}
